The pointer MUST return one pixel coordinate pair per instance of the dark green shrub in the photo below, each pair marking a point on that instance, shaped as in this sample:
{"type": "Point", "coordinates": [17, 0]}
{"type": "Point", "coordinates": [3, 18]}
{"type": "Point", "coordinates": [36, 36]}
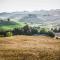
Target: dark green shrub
{"type": "Point", "coordinates": [26, 30]}
{"type": "Point", "coordinates": [17, 31]}
{"type": "Point", "coordinates": [1, 35]}
{"type": "Point", "coordinates": [51, 34]}
{"type": "Point", "coordinates": [34, 31]}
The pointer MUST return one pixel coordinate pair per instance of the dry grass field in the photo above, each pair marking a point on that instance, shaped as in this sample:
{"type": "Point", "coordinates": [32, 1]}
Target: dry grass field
{"type": "Point", "coordinates": [29, 48]}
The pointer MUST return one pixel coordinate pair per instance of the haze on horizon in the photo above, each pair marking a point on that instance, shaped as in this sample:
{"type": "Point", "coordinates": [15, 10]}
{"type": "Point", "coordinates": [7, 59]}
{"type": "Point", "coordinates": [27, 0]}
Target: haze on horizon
{"type": "Point", "coordinates": [28, 5]}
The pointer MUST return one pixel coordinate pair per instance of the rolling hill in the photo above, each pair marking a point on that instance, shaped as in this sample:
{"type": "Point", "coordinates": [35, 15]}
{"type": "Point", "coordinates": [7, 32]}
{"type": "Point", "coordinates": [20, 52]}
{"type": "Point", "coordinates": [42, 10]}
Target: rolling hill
{"type": "Point", "coordinates": [10, 25]}
{"type": "Point", "coordinates": [42, 16]}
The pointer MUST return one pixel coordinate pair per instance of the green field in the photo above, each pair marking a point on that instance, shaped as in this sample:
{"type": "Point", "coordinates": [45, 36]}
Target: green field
{"type": "Point", "coordinates": [10, 25]}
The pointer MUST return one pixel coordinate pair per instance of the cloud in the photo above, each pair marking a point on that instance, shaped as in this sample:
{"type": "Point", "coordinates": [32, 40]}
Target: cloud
{"type": "Point", "coordinates": [18, 5]}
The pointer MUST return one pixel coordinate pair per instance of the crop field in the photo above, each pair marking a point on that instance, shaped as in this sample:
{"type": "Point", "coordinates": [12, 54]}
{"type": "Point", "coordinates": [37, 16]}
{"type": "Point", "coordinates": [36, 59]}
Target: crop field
{"type": "Point", "coordinates": [22, 47]}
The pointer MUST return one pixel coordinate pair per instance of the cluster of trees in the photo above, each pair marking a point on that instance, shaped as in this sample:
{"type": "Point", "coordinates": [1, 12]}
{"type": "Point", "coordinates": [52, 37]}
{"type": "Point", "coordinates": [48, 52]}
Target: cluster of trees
{"type": "Point", "coordinates": [56, 30]}
{"type": "Point", "coordinates": [26, 30]}
{"type": "Point", "coordinates": [47, 32]}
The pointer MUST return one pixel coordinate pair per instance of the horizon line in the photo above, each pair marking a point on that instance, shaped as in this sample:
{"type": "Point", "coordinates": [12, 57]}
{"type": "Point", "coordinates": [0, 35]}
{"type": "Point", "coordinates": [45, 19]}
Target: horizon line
{"type": "Point", "coordinates": [27, 10]}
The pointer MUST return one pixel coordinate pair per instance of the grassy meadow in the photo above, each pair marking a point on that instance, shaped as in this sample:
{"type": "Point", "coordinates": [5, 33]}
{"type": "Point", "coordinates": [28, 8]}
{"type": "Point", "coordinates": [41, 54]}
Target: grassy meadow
{"type": "Point", "coordinates": [22, 47]}
{"type": "Point", "coordinates": [10, 25]}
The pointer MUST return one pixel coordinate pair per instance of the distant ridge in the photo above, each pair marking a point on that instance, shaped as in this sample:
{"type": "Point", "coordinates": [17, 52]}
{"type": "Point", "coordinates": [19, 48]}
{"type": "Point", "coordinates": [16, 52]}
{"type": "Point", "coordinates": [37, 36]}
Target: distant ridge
{"type": "Point", "coordinates": [34, 16]}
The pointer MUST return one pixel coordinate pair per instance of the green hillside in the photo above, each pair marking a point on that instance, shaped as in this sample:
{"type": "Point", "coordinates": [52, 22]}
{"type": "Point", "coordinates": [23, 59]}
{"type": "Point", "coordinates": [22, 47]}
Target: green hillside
{"type": "Point", "coordinates": [10, 25]}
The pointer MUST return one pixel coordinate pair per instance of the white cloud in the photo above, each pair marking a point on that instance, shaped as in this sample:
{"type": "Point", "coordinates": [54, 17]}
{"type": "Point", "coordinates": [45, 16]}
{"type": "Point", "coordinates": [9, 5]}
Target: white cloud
{"type": "Point", "coordinates": [18, 5]}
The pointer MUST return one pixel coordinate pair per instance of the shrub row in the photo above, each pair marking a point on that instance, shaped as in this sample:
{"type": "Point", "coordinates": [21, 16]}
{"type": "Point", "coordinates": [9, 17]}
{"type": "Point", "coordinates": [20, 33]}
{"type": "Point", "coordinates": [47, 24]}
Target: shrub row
{"type": "Point", "coordinates": [26, 30]}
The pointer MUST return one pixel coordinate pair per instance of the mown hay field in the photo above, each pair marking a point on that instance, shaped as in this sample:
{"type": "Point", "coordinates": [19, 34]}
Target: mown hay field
{"type": "Point", "coordinates": [29, 48]}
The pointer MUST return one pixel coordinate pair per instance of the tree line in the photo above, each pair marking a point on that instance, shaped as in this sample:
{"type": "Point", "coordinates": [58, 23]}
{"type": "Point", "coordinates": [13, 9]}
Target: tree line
{"type": "Point", "coordinates": [26, 30]}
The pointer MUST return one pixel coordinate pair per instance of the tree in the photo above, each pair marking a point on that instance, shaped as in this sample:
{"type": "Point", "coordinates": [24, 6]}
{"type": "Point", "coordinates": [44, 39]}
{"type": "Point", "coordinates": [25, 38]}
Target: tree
{"type": "Point", "coordinates": [34, 31]}
{"type": "Point", "coordinates": [26, 29]}
{"type": "Point", "coordinates": [2, 33]}
{"type": "Point", "coordinates": [8, 19]}
{"type": "Point", "coordinates": [17, 31]}
{"type": "Point", "coordinates": [59, 30]}
{"type": "Point", "coordinates": [51, 34]}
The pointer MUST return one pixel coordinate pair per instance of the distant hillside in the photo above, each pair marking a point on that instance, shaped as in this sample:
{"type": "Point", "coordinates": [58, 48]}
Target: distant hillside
{"type": "Point", "coordinates": [7, 23]}
{"type": "Point", "coordinates": [42, 16]}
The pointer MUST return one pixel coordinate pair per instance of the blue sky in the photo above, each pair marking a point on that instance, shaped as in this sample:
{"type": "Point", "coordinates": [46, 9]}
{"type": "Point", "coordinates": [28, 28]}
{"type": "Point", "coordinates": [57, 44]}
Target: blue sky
{"type": "Point", "coordinates": [28, 5]}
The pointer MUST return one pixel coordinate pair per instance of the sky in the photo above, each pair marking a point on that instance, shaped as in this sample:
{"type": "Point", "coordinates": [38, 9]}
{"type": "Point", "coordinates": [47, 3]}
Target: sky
{"type": "Point", "coordinates": [28, 5]}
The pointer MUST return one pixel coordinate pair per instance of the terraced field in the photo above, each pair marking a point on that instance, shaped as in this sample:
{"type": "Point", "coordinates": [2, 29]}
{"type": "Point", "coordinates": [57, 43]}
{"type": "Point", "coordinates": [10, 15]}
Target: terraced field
{"type": "Point", "coordinates": [29, 48]}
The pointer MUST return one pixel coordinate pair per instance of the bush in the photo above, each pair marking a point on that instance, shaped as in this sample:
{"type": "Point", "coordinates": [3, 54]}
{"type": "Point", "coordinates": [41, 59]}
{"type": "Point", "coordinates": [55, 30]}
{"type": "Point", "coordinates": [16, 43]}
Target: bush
{"type": "Point", "coordinates": [34, 31]}
{"type": "Point", "coordinates": [43, 31]}
{"type": "Point", "coordinates": [8, 34]}
{"type": "Point", "coordinates": [26, 30]}
{"type": "Point", "coordinates": [51, 34]}
{"type": "Point", "coordinates": [17, 31]}
{"type": "Point", "coordinates": [1, 35]}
